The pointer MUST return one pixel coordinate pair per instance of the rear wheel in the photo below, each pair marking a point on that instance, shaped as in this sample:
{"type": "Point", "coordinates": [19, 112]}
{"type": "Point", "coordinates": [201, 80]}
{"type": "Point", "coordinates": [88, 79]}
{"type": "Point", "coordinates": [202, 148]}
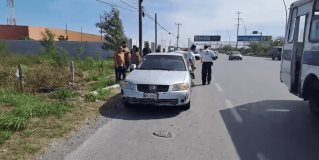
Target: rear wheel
{"type": "Point", "coordinates": [314, 102]}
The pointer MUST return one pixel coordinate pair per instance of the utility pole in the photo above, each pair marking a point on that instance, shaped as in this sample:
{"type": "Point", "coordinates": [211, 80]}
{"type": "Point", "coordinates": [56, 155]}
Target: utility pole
{"type": "Point", "coordinates": [140, 24]}
{"type": "Point", "coordinates": [155, 31]}
{"type": "Point", "coordinates": [101, 28]}
{"type": "Point", "coordinates": [245, 31]}
{"type": "Point", "coordinates": [178, 24]}
{"type": "Point", "coordinates": [238, 19]}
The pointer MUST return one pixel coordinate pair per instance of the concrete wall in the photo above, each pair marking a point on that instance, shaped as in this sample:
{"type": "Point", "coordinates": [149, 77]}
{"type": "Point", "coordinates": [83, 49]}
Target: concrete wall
{"type": "Point", "coordinates": [8, 32]}
{"type": "Point", "coordinates": [13, 32]}
{"type": "Point", "coordinates": [35, 33]}
{"type": "Point", "coordinates": [91, 49]}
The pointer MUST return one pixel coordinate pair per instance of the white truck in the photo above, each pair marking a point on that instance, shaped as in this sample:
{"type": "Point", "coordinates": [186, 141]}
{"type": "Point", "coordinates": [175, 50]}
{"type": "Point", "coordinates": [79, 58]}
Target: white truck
{"type": "Point", "coordinates": [300, 58]}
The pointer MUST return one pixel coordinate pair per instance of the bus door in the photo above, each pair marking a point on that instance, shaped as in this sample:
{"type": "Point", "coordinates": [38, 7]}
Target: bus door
{"type": "Point", "coordinates": [297, 52]}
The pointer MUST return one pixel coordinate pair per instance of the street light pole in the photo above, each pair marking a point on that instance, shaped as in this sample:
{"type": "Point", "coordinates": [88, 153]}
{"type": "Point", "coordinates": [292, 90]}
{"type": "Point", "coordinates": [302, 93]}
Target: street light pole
{"type": "Point", "coordinates": [178, 24]}
{"type": "Point", "coordinates": [155, 31]}
{"type": "Point", "coordinates": [140, 14]}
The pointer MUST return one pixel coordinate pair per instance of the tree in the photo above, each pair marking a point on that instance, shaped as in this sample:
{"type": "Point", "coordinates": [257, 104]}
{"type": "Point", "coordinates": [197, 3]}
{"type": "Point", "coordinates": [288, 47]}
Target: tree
{"type": "Point", "coordinates": [227, 48]}
{"type": "Point", "coordinates": [278, 41]}
{"type": "Point", "coordinates": [112, 27]}
{"type": "Point", "coordinates": [62, 38]}
{"type": "Point", "coordinates": [48, 41]}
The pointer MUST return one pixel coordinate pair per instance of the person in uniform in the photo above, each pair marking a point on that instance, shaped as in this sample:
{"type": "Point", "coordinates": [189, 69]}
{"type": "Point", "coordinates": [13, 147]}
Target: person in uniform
{"type": "Point", "coordinates": [207, 63]}
{"type": "Point", "coordinates": [147, 49]}
{"type": "Point", "coordinates": [191, 60]}
{"type": "Point", "coordinates": [119, 63]}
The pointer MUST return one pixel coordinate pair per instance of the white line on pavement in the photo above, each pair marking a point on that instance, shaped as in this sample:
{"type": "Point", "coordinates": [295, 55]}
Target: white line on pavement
{"type": "Point", "coordinates": [219, 88]}
{"type": "Point", "coordinates": [233, 111]}
{"type": "Point", "coordinates": [261, 156]}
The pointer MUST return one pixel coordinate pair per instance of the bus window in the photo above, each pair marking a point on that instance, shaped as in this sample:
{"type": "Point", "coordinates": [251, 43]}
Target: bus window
{"type": "Point", "coordinates": [302, 24]}
{"type": "Point", "coordinates": [292, 25]}
{"type": "Point", "coordinates": [316, 9]}
{"type": "Point", "coordinates": [314, 33]}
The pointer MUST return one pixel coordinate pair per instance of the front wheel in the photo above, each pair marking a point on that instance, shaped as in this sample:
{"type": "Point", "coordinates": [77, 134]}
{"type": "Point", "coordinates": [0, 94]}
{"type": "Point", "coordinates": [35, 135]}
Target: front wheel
{"type": "Point", "coordinates": [186, 106]}
{"type": "Point", "coordinates": [314, 102]}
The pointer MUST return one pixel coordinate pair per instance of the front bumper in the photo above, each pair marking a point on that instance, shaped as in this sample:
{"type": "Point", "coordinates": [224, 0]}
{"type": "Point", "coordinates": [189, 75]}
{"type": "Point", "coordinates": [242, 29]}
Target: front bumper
{"type": "Point", "coordinates": [169, 98]}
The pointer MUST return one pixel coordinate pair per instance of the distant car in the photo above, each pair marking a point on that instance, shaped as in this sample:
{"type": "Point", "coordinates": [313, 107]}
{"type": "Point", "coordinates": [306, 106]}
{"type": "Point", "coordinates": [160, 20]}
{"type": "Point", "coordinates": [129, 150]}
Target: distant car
{"type": "Point", "coordinates": [235, 55]}
{"type": "Point", "coordinates": [197, 55]}
{"type": "Point", "coordinates": [276, 53]}
{"type": "Point", "coordinates": [162, 79]}
{"type": "Point", "coordinates": [215, 55]}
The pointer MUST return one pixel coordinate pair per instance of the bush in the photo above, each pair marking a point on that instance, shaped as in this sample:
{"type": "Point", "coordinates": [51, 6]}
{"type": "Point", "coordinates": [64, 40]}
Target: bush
{"type": "Point", "coordinates": [260, 49]}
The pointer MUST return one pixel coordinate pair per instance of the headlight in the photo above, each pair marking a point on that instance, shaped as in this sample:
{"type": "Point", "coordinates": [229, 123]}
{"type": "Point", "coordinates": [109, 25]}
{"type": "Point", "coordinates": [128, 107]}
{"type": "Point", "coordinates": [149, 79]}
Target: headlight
{"type": "Point", "coordinates": [181, 87]}
{"type": "Point", "coordinates": [128, 85]}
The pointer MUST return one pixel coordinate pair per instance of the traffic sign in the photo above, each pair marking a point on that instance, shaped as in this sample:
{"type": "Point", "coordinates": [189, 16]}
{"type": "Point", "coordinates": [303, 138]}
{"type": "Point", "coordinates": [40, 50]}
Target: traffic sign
{"type": "Point", "coordinates": [206, 38]}
{"type": "Point", "coordinates": [253, 38]}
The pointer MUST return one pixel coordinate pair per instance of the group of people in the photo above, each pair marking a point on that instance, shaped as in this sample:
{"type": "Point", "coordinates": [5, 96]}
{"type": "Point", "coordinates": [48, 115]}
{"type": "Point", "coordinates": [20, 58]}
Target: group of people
{"type": "Point", "coordinates": [206, 60]}
{"type": "Point", "coordinates": [124, 58]}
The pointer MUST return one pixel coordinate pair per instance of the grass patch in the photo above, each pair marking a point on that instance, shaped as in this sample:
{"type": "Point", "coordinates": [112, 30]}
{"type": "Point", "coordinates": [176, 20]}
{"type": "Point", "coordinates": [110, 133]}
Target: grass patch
{"type": "Point", "coordinates": [64, 94]}
{"type": "Point", "coordinates": [102, 94]}
{"type": "Point", "coordinates": [27, 106]}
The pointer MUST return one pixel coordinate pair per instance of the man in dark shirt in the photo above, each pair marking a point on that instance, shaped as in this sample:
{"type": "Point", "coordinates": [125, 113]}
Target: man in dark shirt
{"type": "Point", "coordinates": [147, 49]}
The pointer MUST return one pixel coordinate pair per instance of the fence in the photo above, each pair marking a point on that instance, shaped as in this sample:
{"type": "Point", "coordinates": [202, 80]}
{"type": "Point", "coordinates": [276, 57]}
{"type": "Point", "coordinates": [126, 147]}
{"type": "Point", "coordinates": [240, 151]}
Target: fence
{"type": "Point", "coordinates": [89, 49]}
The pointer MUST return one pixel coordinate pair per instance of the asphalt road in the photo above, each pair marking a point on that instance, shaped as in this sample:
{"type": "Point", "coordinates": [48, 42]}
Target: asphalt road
{"type": "Point", "coordinates": [246, 113]}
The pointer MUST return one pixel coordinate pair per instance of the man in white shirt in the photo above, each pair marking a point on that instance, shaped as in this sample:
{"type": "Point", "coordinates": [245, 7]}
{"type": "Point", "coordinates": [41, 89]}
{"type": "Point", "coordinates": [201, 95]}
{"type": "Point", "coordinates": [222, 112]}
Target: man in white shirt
{"type": "Point", "coordinates": [207, 63]}
{"type": "Point", "coordinates": [191, 60]}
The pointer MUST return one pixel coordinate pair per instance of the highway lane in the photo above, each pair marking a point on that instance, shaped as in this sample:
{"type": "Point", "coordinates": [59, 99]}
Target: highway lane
{"type": "Point", "coordinates": [246, 113]}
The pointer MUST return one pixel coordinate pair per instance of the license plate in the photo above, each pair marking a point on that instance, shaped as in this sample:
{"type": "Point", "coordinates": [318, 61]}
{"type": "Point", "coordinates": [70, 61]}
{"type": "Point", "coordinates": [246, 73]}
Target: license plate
{"type": "Point", "coordinates": [151, 96]}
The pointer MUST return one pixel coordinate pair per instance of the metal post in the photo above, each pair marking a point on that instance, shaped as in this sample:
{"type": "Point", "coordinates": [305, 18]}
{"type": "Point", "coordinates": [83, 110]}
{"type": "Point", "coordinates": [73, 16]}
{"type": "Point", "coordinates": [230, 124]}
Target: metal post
{"type": "Point", "coordinates": [238, 27]}
{"type": "Point", "coordinates": [155, 31]}
{"type": "Point", "coordinates": [140, 24]}
{"type": "Point", "coordinates": [21, 78]}
{"type": "Point", "coordinates": [101, 27]}
{"type": "Point", "coordinates": [178, 24]}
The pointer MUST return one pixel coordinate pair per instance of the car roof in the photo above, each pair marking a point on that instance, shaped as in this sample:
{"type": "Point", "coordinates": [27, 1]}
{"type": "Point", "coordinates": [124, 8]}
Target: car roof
{"type": "Point", "coordinates": [167, 54]}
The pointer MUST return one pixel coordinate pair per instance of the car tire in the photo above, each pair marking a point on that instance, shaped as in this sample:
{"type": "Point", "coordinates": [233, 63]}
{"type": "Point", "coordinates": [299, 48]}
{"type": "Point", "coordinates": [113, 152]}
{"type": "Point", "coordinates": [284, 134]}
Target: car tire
{"type": "Point", "coordinates": [128, 105]}
{"type": "Point", "coordinates": [314, 102]}
{"type": "Point", "coordinates": [273, 58]}
{"type": "Point", "coordinates": [186, 106]}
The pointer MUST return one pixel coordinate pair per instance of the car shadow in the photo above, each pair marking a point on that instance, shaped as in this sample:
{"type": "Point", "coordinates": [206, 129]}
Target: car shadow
{"type": "Point", "coordinates": [273, 130]}
{"type": "Point", "coordinates": [114, 109]}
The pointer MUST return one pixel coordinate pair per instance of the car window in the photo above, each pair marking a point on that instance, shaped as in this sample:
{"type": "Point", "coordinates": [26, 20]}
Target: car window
{"type": "Point", "coordinates": [163, 62]}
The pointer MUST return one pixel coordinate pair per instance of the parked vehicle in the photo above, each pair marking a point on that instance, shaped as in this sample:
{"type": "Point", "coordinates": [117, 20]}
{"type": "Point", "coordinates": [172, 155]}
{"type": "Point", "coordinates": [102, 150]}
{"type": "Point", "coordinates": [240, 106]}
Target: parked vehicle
{"type": "Point", "coordinates": [235, 55]}
{"type": "Point", "coordinates": [276, 52]}
{"type": "Point", "coordinates": [162, 79]}
{"type": "Point", "coordinates": [300, 59]}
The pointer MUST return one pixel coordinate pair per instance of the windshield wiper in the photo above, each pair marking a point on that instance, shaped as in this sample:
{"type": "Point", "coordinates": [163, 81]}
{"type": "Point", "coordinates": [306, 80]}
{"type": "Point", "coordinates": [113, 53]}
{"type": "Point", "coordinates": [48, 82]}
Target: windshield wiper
{"type": "Point", "coordinates": [162, 69]}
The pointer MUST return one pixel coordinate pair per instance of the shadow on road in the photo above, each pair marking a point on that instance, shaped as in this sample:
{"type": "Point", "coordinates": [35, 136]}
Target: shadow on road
{"type": "Point", "coordinates": [274, 130]}
{"type": "Point", "coordinates": [114, 109]}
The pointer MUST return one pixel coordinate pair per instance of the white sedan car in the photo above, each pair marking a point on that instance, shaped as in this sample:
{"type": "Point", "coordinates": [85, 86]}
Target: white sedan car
{"type": "Point", "coordinates": [162, 79]}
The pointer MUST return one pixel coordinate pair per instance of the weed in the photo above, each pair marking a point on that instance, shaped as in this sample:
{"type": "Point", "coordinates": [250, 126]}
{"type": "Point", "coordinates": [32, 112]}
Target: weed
{"type": "Point", "coordinates": [63, 94]}
{"type": "Point", "coordinates": [5, 135]}
{"type": "Point", "coordinates": [90, 97]}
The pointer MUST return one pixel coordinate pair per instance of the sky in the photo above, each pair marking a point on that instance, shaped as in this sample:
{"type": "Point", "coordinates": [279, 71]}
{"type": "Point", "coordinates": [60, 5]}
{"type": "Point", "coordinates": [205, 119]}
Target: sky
{"type": "Point", "coordinates": [198, 17]}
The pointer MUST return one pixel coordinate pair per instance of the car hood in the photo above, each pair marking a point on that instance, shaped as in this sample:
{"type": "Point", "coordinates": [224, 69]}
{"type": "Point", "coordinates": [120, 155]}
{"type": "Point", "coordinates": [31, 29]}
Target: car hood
{"type": "Point", "coordinates": [157, 77]}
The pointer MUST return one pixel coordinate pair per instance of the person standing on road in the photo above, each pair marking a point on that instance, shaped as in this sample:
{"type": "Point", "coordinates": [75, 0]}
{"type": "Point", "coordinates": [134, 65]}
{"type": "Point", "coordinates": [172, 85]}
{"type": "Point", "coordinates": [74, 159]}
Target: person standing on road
{"type": "Point", "coordinates": [119, 64]}
{"type": "Point", "coordinates": [127, 55]}
{"type": "Point", "coordinates": [147, 49]}
{"type": "Point", "coordinates": [136, 57]}
{"type": "Point", "coordinates": [207, 63]}
{"type": "Point", "coordinates": [191, 60]}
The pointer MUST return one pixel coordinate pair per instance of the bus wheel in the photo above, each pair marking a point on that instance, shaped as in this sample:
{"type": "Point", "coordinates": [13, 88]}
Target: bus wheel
{"type": "Point", "coordinates": [314, 102]}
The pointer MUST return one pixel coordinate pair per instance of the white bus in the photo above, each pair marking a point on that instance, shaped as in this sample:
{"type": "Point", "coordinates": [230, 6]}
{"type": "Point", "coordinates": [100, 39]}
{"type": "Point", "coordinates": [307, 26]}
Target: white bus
{"type": "Point", "coordinates": [300, 58]}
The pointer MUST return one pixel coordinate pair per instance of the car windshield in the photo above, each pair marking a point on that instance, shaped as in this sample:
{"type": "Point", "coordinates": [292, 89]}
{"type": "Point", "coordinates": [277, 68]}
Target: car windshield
{"type": "Point", "coordinates": [163, 62]}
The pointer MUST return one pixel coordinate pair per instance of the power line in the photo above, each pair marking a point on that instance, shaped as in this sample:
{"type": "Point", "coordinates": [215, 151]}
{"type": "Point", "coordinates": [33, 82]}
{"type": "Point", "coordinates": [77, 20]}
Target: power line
{"type": "Point", "coordinates": [114, 5]}
{"type": "Point", "coordinates": [128, 4]}
{"type": "Point", "coordinates": [151, 18]}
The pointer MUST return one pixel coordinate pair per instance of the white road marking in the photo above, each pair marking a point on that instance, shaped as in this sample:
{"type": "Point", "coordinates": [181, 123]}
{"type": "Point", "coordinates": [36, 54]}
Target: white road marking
{"type": "Point", "coordinates": [219, 88]}
{"type": "Point", "coordinates": [213, 79]}
{"type": "Point", "coordinates": [233, 111]}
